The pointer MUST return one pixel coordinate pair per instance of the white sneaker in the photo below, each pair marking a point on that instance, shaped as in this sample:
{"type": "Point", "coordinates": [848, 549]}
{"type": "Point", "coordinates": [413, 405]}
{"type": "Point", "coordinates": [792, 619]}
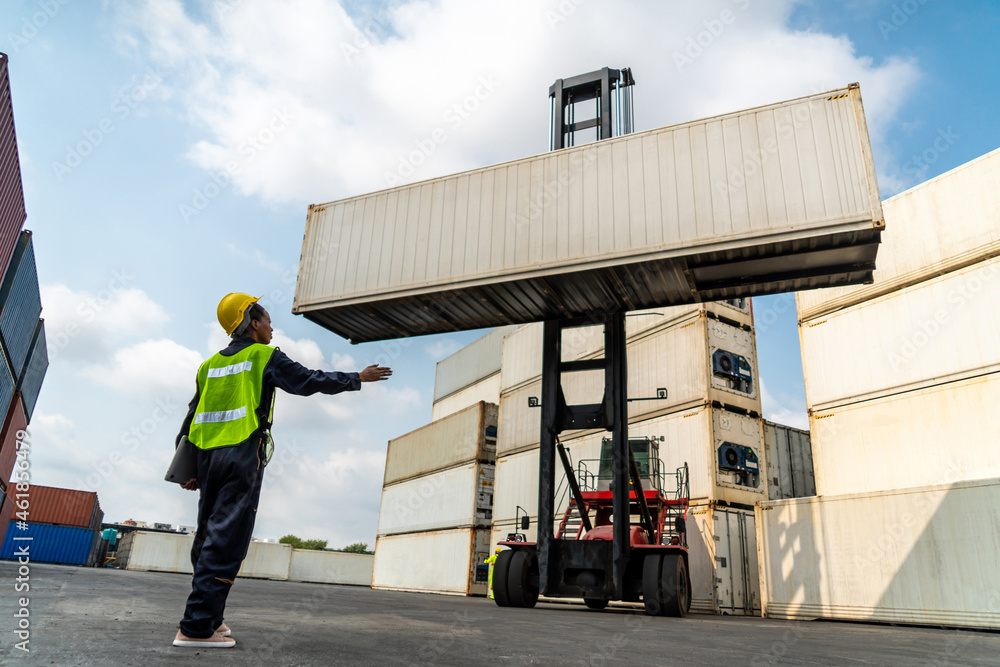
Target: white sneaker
{"type": "Point", "coordinates": [215, 641]}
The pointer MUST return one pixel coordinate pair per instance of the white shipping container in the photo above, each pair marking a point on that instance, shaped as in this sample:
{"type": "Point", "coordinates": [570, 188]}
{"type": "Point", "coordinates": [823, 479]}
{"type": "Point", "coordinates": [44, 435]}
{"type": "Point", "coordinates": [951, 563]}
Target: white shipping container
{"type": "Point", "coordinates": [331, 567]}
{"type": "Point", "coordinates": [691, 436]}
{"type": "Point", "coordinates": [940, 330]}
{"type": "Point", "coordinates": [468, 435]}
{"type": "Point", "coordinates": [158, 552]}
{"type": "Point", "coordinates": [459, 497]}
{"type": "Point", "coordinates": [771, 199]}
{"type": "Point", "coordinates": [945, 433]}
{"type": "Point", "coordinates": [926, 555]}
{"type": "Point", "coordinates": [936, 227]}
{"type": "Point", "coordinates": [486, 390]}
{"type": "Point", "coordinates": [444, 561]}
{"type": "Point", "coordinates": [677, 358]}
{"type": "Point", "coordinates": [266, 560]}
{"type": "Point", "coordinates": [471, 364]}
{"type": "Point", "coordinates": [522, 349]}
{"type": "Point", "coordinates": [722, 554]}
{"type": "Point", "coordinates": [789, 462]}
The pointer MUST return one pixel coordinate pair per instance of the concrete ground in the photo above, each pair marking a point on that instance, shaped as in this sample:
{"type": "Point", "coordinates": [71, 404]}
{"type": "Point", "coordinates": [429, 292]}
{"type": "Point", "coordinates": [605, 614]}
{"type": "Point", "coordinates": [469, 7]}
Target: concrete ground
{"type": "Point", "coordinates": [84, 616]}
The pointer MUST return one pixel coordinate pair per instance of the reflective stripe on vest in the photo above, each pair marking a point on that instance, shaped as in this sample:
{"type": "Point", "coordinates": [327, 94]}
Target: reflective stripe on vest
{"type": "Point", "coordinates": [229, 394]}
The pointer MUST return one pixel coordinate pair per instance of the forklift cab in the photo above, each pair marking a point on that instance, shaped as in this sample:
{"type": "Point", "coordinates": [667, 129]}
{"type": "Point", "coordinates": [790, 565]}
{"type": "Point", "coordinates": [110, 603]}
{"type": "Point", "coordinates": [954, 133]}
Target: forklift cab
{"type": "Point", "coordinates": [646, 452]}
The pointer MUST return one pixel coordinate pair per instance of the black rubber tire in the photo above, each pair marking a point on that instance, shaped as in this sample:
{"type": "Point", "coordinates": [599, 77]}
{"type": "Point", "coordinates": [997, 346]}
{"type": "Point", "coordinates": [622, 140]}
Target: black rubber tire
{"type": "Point", "coordinates": [652, 599]}
{"type": "Point", "coordinates": [675, 586]}
{"type": "Point", "coordinates": [500, 569]}
{"type": "Point", "coordinates": [522, 594]}
{"type": "Point", "coordinates": [595, 603]}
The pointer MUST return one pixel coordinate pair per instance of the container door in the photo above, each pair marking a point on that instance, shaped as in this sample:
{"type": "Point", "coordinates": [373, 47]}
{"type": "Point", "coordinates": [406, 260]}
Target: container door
{"type": "Point", "coordinates": [736, 562]}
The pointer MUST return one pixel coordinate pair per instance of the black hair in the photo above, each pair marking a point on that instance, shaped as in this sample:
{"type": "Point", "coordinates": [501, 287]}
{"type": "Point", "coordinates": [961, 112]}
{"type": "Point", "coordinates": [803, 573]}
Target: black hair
{"type": "Point", "coordinates": [256, 312]}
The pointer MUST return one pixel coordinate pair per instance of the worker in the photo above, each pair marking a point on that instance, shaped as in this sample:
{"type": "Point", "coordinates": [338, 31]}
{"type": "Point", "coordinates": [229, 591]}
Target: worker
{"type": "Point", "coordinates": [229, 422]}
{"type": "Point", "coordinates": [491, 560]}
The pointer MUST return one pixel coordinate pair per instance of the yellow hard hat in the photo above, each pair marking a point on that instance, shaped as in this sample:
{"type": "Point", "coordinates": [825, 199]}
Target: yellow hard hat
{"type": "Point", "coordinates": [232, 308]}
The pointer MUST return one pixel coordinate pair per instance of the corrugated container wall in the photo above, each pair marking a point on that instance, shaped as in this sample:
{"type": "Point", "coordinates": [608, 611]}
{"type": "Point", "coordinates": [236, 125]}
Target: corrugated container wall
{"type": "Point", "coordinates": [12, 213]}
{"type": "Point", "coordinates": [469, 435]}
{"type": "Point", "coordinates": [21, 302]}
{"type": "Point", "coordinates": [486, 390]}
{"type": "Point", "coordinates": [926, 556]}
{"type": "Point", "coordinates": [474, 362]}
{"type": "Point", "coordinates": [30, 384]}
{"type": "Point", "coordinates": [63, 507]}
{"type": "Point", "coordinates": [789, 462]}
{"type": "Point", "coordinates": [669, 216]}
{"type": "Point", "coordinates": [938, 226]}
{"type": "Point", "coordinates": [7, 384]}
{"type": "Point", "coordinates": [331, 567]}
{"type": "Point", "coordinates": [459, 497]}
{"type": "Point", "coordinates": [444, 561]}
{"type": "Point", "coordinates": [937, 331]}
{"type": "Point", "coordinates": [6, 513]}
{"type": "Point", "coordinates": [14, 423]}
{"type": "Point", "coordinates": [50, 544]}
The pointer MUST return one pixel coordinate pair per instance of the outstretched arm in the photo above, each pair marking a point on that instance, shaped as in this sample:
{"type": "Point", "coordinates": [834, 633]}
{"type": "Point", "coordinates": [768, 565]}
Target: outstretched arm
{"type": "Point", "coordinates": [296, 379]}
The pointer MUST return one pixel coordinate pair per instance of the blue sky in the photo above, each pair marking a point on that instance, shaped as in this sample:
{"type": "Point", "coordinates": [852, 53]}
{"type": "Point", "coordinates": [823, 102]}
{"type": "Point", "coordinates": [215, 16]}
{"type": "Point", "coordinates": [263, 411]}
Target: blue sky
{"type": "Point", "coordinates": [127, 114]}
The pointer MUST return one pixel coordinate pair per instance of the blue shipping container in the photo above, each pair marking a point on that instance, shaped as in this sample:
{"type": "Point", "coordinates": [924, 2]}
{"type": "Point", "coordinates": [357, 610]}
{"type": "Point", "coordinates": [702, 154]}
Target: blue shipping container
{"type": "Point", "coordinates": [30, 383]}
{"type": "Point", "coordinates": [49, 544]}
{"type": "Point", "coordinates": [21, 302]}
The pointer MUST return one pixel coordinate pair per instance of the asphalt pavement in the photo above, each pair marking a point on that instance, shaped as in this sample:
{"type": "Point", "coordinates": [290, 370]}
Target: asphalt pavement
{"type": "Point", "coordinates": [90, 616]}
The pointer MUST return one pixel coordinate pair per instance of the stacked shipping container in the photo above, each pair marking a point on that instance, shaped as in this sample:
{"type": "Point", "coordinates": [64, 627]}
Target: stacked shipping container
{"type": "Point", "coordinates": [902, 383]}
{"type": "Point", "coordinates": [470, 375]}
{"type": "Point", "coordinates": [437, 501]}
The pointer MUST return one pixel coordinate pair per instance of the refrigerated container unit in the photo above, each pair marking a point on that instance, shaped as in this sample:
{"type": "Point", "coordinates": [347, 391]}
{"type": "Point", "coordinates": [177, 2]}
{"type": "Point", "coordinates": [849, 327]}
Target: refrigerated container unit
{"type": "Point", "coordinates": [12, 212]}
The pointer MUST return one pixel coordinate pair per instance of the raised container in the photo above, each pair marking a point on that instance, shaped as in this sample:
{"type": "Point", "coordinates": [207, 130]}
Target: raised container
{"type": "Point", "coordinates": [466, 436]}
{"type": "Point", "coordinates": [944, 433]}
{"type": "Point", "coordinates": [681, 359]}
{"type": "Point", "coordinates": [331, 567]}
{"type": "Point", "coordinates": [12, 213]}
{"type": "Point", "coordinates": [443, 561]}
{"type": "Point", "coordinates": [773, 199]}
{"type": "Point", "coordinates": [14, 426]}
{"type": "Point", "coordinates": [933, 332]}
{"type": "Point", "coordinates": [925, 555]}
{"type": "Point", "coordinates": [49, 544]}
{"type": "Point", "coordinates": [789, 462]}
{"type": "Point", "coordinates": [473, 363]}
{"type": "Point", "coordinates": [486, 390]}
{"type": "Point", "coordinates": [61, 507]}
{"type": "Point", "coordinates": [21, 303]}
{"type": "Point", "coordinates": [939, 226]}
{"type": "Point", "coordinates": [29, 385]}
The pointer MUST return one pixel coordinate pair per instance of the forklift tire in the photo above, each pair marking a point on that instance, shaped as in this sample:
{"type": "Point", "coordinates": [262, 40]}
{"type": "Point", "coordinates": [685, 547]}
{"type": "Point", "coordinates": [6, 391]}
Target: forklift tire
{"type": "Point", "coordinates": [675, 585]}
{"type": "Point", "coordinates": [500, 569]}
{"type": "Point", "coordinates": [521, 591]}
{"type": "Point", "coordinates": [595, 603]}
{"type": "Point", "coordinates": [652, 598]}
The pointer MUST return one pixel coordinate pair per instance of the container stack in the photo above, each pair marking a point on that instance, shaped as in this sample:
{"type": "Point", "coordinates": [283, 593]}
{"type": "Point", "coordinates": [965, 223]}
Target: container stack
{"type": "Point", "coordinates": [62, 526]}
{"type": "Point", "coordinates": [24, 357]}
{"type": "Point", "coordinates": [470, 375]}
{"type": "Point", "coordinates": [694, 369]}
{"type": "Point", "coordinates": [902, 383]}
{"type": "Point", "coordinates": [437, 506]}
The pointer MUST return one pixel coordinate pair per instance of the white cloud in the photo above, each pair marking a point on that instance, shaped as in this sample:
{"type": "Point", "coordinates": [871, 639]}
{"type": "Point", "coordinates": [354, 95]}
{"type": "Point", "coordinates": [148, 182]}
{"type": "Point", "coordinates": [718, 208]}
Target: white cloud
{"type": "Point", "coordinates": [788, 411]}
{"type": "Point", "coordinates": [151, 368]}
{"type": "Point", "coordinates": [343, 362]}
{"type": "Point", "coordinates": [357, 107]}
{"type": "Point", "coordinates": [82, 325]}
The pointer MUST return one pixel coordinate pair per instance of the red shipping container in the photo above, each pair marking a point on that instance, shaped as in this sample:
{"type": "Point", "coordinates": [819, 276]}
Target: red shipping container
{"type": "Point", "coordinates": [14, 423]}
{"type": "Point", "coordinates": [12, 213]}
{"type": "Point", "coordinates": [6, 514]}
{"type": "Point", "coordinates": [62, 507]}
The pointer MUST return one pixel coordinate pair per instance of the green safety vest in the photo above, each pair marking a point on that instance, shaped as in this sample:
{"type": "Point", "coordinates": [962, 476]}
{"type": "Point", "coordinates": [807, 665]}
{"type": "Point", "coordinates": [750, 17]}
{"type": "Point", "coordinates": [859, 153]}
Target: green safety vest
{"type": "Point", "coordinates": [229, 395]}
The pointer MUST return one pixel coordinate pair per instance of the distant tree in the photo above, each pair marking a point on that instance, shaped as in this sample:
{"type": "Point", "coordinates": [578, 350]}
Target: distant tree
{"type": "Point", "coordinates": [297, 543]}
{"type": "Point", "coordinates": [357, 548]}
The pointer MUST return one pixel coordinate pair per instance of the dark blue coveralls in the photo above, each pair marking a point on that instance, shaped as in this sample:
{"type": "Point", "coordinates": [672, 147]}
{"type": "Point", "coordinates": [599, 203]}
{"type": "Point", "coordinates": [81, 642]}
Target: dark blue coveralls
{"type": "Point", "coordinates": [229, 479]}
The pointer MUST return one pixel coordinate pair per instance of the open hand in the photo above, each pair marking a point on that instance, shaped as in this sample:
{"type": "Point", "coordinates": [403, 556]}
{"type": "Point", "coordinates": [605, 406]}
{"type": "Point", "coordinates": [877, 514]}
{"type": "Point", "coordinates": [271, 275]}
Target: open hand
{"type": "Point", "coordinates": [375, 373]}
